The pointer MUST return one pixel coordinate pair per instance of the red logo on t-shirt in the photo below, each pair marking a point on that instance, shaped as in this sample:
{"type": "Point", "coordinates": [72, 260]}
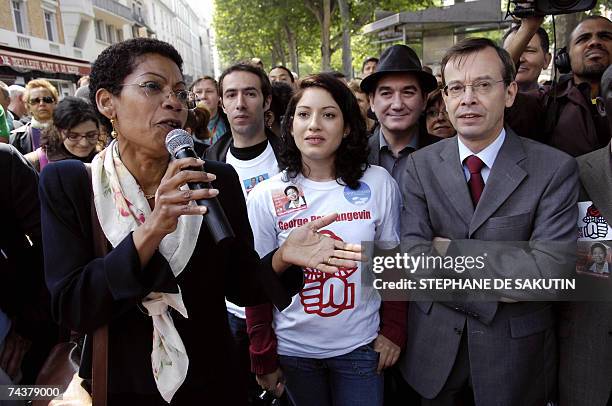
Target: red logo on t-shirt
{"type": "Point", "coordinates": [595, 225]}
{"type": "Point", "coordinates": [328, 294]}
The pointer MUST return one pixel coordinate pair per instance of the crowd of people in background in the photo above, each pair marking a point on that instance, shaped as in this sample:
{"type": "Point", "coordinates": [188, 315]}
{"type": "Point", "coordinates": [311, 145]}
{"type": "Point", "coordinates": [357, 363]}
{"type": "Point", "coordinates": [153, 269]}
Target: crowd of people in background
{"type": "Point", "coordinates": [484, 151]}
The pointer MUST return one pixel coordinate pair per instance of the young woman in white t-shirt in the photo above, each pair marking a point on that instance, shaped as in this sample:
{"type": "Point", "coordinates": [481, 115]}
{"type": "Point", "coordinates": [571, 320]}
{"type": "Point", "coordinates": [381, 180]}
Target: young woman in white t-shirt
{"type": "Point", "coordinates": [330, 345]}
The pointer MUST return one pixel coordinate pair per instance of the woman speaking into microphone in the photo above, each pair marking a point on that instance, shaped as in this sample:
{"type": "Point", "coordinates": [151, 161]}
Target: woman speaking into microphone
{"type": "Point", "coordinates": [162, 286]}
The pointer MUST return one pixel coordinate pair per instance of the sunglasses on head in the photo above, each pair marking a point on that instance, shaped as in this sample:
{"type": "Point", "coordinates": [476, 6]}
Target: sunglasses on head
{"type": "Point", "coordinates": [46, 99]}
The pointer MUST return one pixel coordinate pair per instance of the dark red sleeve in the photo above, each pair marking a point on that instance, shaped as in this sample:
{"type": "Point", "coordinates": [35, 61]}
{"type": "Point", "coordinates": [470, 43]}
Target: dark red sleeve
{"type": "Point", "coordinates": [262, 347]}
{"type": "Point", "coordinates": [393, 321]}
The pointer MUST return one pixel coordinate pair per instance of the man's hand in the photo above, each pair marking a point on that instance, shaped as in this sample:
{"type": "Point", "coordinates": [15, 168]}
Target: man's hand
{"type": "Point", "coordinates": [15, 347]}
{"type": "Point", "coordinates": [516, 43]}
{"type": "Point", "coordinates": [273, 382]}
{"type": "Point", "coordinates": [389, 352]}
{"type": "Point", "coordinates": [531, 24]}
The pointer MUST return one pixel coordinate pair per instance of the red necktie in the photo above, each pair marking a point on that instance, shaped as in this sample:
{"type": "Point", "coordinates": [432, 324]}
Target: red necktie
{"type": "Point", "coordinates": [476, 183]}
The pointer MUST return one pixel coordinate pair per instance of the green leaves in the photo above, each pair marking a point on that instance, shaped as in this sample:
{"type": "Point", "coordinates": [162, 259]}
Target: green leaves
{"type": "Point", "coordinates": [279, 31]}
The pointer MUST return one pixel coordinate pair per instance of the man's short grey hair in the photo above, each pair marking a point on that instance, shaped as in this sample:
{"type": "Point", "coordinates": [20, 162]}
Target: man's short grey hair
{"type": "Point", "coordinates": [16, 90]}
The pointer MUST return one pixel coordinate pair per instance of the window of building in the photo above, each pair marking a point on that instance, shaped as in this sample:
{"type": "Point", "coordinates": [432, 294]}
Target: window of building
{"type": "Point", "coordinates": [110, 34]}
{"type": "Point", "coordinates": [50, 26]}
{"type": "Point", "coordinates": [19, 13]}
{"type": "Point", "coordinates": [100, 30]}
{"type": "Point", "coordinates": [119, 35]}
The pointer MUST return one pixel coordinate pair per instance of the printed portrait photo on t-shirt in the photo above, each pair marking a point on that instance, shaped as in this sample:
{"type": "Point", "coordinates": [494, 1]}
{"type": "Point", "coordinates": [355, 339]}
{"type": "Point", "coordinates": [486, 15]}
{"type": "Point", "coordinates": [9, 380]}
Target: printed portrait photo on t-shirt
{"type": "Point", "coordinates": [288, 200]}
{"type": "Point", "coordinates": [251, 182]}
{"type": "Point", "coordinates": [594, 241]}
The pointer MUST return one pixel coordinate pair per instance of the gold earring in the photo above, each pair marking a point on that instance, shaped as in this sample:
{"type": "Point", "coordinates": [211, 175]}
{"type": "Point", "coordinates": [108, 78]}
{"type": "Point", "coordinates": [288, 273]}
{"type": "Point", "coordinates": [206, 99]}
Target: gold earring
{"type": "Point", "coordinates": [114, 132]}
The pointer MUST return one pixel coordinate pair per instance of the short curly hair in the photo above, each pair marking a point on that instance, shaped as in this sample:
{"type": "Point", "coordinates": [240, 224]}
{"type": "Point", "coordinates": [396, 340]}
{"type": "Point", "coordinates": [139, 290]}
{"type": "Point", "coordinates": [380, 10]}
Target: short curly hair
{"type": "Point", "coordinates": [351, 159]}
{"type": "Point", "coordinates": [119, 60]}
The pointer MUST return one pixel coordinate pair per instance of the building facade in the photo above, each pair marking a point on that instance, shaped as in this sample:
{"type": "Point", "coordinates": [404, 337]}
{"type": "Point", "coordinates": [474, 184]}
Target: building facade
{"type": "Point", "coordinates": [58, 39]}
{"type": "Point", "coordinates": [432, 31]}
{"type": "Point", "coordinates": [174, 21]}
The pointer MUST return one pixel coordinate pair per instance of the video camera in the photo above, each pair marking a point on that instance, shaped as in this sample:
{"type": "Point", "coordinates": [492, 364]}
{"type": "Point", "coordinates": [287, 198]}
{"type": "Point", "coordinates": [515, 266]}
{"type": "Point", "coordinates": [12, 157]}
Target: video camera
{"type": "Point", "coordinates": [551, 7]}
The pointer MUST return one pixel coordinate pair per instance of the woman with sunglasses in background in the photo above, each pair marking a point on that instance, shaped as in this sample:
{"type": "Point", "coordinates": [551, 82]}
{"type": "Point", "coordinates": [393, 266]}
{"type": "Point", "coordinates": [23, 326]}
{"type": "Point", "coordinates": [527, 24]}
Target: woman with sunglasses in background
{"type": "Point", "coordinates": [74, 134]}
{"type": "Point", "coordinates": [41, 98]}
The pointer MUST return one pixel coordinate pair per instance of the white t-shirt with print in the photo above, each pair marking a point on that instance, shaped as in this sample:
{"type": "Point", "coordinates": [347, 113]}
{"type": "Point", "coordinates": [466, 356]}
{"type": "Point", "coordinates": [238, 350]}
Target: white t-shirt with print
{"type": "Point", "coordinates": [250, 173]}
{"type": "Point", "coordinates": [255, 170]}
{"type": "Point", "coordinates": [333, 314]}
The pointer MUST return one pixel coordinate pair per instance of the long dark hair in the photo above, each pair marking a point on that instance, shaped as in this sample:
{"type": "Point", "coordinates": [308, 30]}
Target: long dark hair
{"type": "Point", "coordinates": [351, 159]}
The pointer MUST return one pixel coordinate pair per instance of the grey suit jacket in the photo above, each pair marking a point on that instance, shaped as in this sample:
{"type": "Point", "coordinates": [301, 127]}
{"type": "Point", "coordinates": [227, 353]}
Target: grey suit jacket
{"type": "Point", "coordinates": [585, 329]}
{"type": "Point", "coordinates": [530, 195]}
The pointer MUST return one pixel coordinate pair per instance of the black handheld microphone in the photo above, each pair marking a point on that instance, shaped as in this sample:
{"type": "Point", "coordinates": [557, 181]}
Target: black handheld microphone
{"type": "Point", "coordinates": [180, 145]}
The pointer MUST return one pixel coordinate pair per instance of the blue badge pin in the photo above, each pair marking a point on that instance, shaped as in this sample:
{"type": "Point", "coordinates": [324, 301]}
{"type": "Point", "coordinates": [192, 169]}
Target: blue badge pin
{"type": "Point", "coordinates": [359, 196]}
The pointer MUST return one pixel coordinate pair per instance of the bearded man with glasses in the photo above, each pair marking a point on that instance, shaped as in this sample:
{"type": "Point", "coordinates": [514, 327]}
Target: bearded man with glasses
{"type": "Point", "coordinates": [41, 98]}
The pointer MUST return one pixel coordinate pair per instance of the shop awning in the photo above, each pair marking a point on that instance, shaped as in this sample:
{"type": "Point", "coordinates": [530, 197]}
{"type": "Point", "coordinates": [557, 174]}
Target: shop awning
{"type": "Point", "coordinates": [23, 60]}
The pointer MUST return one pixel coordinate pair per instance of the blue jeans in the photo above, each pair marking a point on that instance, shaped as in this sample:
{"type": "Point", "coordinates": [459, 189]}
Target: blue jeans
{"type": "Point", "coordinates": [345, 380]}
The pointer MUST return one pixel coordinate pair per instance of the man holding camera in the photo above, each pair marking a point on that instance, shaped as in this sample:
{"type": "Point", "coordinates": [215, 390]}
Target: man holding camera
{"type": "Point", "coordinates": [565, 116]}
{"type": "Point", "coordinates": [535, 58]}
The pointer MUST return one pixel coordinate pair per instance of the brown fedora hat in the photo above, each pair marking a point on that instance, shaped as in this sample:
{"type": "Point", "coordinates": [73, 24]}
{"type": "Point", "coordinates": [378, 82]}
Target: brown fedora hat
{"type": "Point", "coordinates": [399, 59]}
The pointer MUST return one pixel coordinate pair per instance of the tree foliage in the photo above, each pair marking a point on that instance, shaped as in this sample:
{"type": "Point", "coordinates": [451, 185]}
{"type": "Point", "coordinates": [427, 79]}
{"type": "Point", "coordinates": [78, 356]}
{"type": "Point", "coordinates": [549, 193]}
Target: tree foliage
{"type": "Point", "coordinates": [294, 33]}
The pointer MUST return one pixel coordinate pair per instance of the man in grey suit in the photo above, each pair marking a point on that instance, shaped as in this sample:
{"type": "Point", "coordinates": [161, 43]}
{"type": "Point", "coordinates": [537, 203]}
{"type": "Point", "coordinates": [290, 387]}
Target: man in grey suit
{"type": "Point", "coordinates": [490, 185]}
{"type": "Point", "coordinates": [585, 328]}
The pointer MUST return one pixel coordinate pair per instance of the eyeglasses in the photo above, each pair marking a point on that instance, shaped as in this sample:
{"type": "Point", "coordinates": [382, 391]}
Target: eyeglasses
{"type": "Point", "coordinates": [154, 89]}
{"type": "Point", "coordinates": [90, 136]}
{"type": "Point", "coordinates": [480, 87]}
{"type": "Point", "coordinates": [46, 99]}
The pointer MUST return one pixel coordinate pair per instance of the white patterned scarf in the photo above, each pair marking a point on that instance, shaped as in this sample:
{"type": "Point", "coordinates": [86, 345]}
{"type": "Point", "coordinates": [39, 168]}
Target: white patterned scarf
{"type": "Point", "coordinates": [122, 207]}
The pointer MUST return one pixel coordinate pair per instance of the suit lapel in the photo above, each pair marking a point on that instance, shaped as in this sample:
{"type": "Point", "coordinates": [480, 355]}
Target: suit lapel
{"type": "Point", "coordinates": [504, 178]}
{"type": "Point", "coordinates": [452, 180]}
{"type": "Point", "coordinates": [596, 178]}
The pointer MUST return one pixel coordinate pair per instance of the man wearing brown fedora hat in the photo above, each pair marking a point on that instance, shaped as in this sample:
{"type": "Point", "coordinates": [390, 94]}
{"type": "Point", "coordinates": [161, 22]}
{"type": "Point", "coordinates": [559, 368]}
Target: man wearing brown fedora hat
{"type": "Point", "coordinates": [397, 91]}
